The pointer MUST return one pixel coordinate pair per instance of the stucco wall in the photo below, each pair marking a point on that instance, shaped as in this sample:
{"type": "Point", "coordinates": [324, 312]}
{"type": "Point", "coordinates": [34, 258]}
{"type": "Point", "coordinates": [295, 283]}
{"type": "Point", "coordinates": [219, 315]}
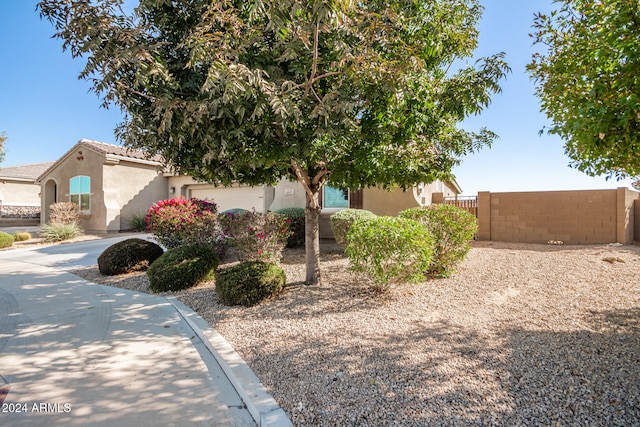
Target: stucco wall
{"type": "Point", "coordinates": [18, 193]}
{"type": "Point", "coordinates": [80, 162]}
{"type": "Point", "coordinates": [129, 189]}
{"type": "Point", "coordinates": [573, 217]}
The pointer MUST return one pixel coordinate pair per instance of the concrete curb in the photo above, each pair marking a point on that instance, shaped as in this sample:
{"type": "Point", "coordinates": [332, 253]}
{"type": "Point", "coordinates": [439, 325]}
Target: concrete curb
{"type": "Point", "coordinates": [260, 404]}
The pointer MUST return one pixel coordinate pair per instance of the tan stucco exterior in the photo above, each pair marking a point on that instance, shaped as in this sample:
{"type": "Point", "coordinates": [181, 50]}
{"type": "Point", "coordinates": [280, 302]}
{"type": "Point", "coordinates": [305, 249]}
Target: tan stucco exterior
{"type": "Point", "coordinates": [392, 202]}
{"type": "Point", "coordinates": [119, 186]}
{"type": "Point", "coordinates": [19, 193]}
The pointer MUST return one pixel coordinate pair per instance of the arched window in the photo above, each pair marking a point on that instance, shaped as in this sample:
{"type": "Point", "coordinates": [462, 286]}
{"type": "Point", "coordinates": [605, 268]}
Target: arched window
{"type": "Point", "coordinates": [80, 192]}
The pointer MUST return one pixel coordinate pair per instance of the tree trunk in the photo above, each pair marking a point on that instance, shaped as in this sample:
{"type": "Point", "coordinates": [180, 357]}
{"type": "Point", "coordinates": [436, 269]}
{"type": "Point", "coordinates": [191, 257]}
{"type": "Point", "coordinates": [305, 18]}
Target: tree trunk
{"type": "Point", "coordinates": [312, 239]}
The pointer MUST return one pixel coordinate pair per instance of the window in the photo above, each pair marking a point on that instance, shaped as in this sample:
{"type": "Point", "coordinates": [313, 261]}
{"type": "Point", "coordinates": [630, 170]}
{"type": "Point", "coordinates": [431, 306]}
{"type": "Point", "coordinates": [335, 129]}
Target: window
{"type": "Point", "coordinates": [335, 197]}
{"type": "Point", "coordinates": [80, 192]}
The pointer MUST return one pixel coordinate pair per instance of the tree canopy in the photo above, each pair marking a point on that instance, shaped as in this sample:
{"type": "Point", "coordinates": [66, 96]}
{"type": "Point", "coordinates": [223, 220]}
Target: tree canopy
{"type": "Point", "coordinates": [361, 93]}
{"type": "Point", "coordinates": [3, 139]}
{"type": "Point", "coordinates": [588, 82]}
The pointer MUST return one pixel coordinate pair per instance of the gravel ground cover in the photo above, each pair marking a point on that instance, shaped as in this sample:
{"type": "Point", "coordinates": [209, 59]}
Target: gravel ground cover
{"type": "Point", "coordinates": [522, 335]}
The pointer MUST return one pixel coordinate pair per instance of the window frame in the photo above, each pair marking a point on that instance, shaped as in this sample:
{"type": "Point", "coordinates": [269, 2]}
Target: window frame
{"type": "Point", "coordinates": [80, 194]}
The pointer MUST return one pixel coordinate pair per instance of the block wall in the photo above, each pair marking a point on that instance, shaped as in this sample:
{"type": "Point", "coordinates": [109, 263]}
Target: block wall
{"type": "Point", "coordinates": [574, 217]}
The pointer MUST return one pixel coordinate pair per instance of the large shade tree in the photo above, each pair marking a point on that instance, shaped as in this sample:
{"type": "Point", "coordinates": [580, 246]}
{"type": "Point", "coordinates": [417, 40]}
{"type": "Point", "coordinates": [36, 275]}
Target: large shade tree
{"type": "Point", "coordinates": [588, 82]}
{"type": "Point", "coordinates": [361, 93]}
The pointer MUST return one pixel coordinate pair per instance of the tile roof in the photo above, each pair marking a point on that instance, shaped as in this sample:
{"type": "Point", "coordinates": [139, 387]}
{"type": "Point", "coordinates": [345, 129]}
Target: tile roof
{"type": "Point", "coordinates": [106, 150]}
{"type": "Point", "coordinates": [24, 172]}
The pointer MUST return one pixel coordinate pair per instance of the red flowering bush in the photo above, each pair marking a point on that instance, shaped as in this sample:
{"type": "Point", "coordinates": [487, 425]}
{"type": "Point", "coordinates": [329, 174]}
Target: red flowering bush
{"type": "Point", "coordinates": [256, 236]}
{"type": "Point", "coordinates": [179, 221]}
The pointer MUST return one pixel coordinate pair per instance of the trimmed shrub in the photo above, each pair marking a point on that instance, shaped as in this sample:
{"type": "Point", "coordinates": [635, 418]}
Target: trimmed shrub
{"type": "Point", "coordinates": [6, 240]}
{"type": "Point", "coordinates": [390, 249]}
{"type": "Point", "coordinates": [58, 231]}
{"type": "Point", "coordinates": [64, 213]}
{"type": "Point", "coordinates": [182, 267]}
{"type": "Point", "coordinates": [296, 219]}
{"type": "Point", "coordinates": [256, 236]}
{"type": "Point", "coordinates": [235, 211]}
{"type": "Point", "coordinates": [21, 236]}
{"type": "Point", "coordinates": [341, 222]}
{"type": "Point", "coordinates": [128, 256]}
{"type": "Point", "coordinates": [179, 221]}
{"type": "Point", "coordinates": [249, 283]}
{"type": "Point", "coordinates": [452, 228]}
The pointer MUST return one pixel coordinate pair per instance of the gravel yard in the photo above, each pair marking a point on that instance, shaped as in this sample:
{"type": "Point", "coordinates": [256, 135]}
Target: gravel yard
{"type": "Point", "coordinates": [522, 335]}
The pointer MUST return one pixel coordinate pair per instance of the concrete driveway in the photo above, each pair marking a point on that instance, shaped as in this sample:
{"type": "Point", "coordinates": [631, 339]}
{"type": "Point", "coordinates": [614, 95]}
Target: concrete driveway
{"type": "Point", "coordinates": [73, 353]}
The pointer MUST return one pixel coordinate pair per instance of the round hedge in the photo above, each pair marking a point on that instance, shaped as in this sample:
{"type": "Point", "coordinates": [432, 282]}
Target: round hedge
{"type": "Point", "coordinates": [21, 236]}
{"type": "Point", "coordinates": [6, 240]}
{"type": "Point", "coordinates": [342, 221]}
{"type": "Point", "coordinates": [182, 267]}
{"type": "Point", "coordinates": [249, 283]}
{"type": "Point", "coordinates": [128, 256]}
{"type": "Point", "coordinates": [297, 221]}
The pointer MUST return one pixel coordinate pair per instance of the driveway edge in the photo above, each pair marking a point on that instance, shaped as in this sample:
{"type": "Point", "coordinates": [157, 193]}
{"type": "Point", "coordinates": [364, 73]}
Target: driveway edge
{"type": "Point", "coordinates": [261, 405]}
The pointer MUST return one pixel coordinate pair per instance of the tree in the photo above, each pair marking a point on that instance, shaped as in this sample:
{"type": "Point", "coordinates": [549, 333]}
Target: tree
{"type": "Point", "coordinates": [588, 82]}
{"type": "Point", "coordinates": [250, 91]}
{"type": "Point", "coordinates": [3, 139]}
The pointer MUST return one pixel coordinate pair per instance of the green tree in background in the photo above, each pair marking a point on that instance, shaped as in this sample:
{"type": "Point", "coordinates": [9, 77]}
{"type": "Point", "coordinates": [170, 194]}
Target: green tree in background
{"type": "Point", "coordinates": [3, 139]}
{"type": "Point", "coordinates": [361, 93]}
{"type": "Point", "coordinates": [589, 82]}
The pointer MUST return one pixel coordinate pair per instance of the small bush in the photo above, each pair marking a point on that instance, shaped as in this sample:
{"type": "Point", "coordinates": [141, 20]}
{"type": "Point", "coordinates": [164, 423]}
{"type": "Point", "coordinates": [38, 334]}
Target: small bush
{"type": "Point", "coordinates": [6, 240]}
{"type": "Point", "coordinates": [179, 221]}
{"type": "Point", "coordinates": [249, 283]}
{"type": "Point", "coordinates": [452, 228]}
{"type": "Point", "coordinates": [64, 213]}
{"type": "Point", "coordinates": [341, 222]}
{"type": "Point", "coordinates": [256, 236]}
{"type": "Point", "coordinates": [182, 268]}
{"type": "Point", "coordinates": [56, 232]}
{"type": "Point", "coordinates": [21, 236]}
{"type": "Point", "coordinates": [128, 256]}
{"type": "Point", "coordinates": [296, 219]}
{"type": "Point", "coordinates": [235, 211]}
{"type": "Point", "coordinates": [138, 221]}
{"type": "Point", "coordinates": [390, 250]}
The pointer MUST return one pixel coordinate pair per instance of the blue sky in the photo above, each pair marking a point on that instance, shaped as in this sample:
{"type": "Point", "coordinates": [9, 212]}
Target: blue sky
{"type": "Point", "coordinates": [45, 109]}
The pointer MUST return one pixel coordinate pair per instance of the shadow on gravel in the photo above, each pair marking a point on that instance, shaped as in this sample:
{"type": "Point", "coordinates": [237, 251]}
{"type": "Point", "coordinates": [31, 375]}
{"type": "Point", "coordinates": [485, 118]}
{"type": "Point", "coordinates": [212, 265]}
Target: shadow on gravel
{"type": "Point", "coordinates": [508, 377]}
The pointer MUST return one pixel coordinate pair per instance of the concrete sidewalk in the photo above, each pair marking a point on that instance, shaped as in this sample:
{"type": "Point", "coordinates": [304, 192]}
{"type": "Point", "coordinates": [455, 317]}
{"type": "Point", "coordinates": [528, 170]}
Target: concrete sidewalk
{"type": "Point", "coordinates": [74, 353]}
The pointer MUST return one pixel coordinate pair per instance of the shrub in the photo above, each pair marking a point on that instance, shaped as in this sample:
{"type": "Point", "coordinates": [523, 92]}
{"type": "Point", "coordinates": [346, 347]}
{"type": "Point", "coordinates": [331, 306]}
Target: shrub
{"type": "Point", "coordinates": [341, 222]}
{"type": "Point", "coordinates": [128, 256]}
{"type": "Point", "coordinates": [390, 249]}
{"type": "Point", "coordinates": [256, 236]}
{"type": "Point", "coordinates": [296, 219]}
{"type": "Point", "coordinates": [21, 236]}
{"type": "Point", "coordinates": [138, 221]}
{"type": "Point", "coordinates": [182, 267]}
{"type": "Point", "coordinates": [453, 228]}
{"type": "Point", "coordinates": [179, 221]}
{"type": "Point", "coordinates": [6, 240]}
{"type": "Point", "coordinates": [249, 283]}
{"type": "Point", "coordinates": [235, 211]}
{"type": "Point", "coordinates": [64, 213]}
{"type": "Point", "coordinates": [57, 231]}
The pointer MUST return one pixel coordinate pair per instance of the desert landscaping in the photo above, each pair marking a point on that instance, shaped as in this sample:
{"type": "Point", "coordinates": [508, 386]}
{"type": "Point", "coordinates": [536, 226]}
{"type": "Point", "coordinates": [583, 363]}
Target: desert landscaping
{"type": "Point", "coordinates": [523, 334]}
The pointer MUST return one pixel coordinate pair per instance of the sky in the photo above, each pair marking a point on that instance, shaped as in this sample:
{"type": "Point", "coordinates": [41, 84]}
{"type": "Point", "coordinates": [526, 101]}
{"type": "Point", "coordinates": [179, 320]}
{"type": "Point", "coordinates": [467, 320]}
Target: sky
{"type": "Point", "coordinates": [45, 109]}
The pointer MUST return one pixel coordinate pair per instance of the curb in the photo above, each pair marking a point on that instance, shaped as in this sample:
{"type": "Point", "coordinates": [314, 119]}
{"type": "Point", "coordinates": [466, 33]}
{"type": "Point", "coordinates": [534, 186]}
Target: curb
{"type": "Point", "coordinates": [261, 405]}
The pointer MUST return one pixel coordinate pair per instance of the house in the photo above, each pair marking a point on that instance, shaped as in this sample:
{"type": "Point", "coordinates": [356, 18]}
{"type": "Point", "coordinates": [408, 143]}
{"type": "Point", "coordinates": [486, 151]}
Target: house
{"type": "Point", "coordinates": [108, 182]}
{"type": "Point", "coordinates": [19, 191]}
{"type": "Point", "coordinates": [111, 184]}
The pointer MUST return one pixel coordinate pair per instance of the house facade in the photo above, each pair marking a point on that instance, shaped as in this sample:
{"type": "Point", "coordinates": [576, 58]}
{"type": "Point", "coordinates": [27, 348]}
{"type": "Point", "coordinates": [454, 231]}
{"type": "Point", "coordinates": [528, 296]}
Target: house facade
{"type": "Point", "coordinates": [18, 185]}
{"type": "Point", "coordinates": [111, 184]}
